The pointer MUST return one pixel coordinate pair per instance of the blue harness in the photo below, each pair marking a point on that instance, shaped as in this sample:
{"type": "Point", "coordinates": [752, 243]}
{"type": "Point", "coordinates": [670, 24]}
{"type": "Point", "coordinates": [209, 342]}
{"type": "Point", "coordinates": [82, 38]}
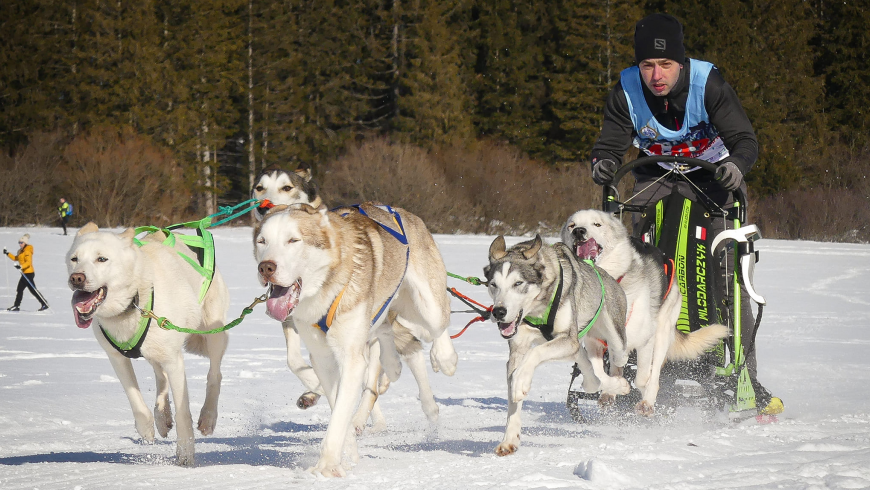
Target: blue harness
{"type": "Point", "coordinates": [399, 234]}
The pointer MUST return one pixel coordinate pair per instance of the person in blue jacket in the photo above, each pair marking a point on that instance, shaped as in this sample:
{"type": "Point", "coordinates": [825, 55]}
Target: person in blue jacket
{"type": "Point", "coordinates": [668, 104]}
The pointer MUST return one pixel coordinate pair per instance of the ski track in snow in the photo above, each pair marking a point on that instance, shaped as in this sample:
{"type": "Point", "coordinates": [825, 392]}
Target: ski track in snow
{"type": "Point", "coordinates": [65, 422]}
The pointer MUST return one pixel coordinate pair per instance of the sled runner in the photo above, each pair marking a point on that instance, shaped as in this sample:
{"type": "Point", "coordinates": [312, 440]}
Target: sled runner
{"type": "Point", "coordinates": [680, 224]}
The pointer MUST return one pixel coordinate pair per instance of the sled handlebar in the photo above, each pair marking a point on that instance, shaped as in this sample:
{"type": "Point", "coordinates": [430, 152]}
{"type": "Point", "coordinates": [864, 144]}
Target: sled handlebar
{"type": "Point", "coordinates": [682, 164]}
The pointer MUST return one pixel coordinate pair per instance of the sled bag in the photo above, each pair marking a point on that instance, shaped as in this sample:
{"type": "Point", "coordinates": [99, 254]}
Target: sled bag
{"type": "Point", "coordinates": [683, 230]}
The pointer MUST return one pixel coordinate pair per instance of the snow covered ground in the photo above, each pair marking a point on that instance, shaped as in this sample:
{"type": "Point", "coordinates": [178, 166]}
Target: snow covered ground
{"type": "Point", "coordinates": [65, 422]}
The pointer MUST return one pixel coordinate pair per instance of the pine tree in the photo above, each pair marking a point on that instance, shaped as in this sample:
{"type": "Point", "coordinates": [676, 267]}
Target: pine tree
{"type": "Point", "coordinates": [762, 49]}
{"type": "Point", "coordinates": [434, 102]}
{"type": "Point", "coordinates": [509, 84]}
{"type": "Point", "coordinates": [595, 42]}
{"type": "Point", "coordinates": [205, 46]}
{"type": "Point", "coordinates": [843, 48]}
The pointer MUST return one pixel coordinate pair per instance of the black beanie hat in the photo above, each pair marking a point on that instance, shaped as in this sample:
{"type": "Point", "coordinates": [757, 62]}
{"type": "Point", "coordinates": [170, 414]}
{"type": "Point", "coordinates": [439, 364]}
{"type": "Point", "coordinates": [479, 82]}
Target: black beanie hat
{"type": "Point", "coordinates": [659, 36]}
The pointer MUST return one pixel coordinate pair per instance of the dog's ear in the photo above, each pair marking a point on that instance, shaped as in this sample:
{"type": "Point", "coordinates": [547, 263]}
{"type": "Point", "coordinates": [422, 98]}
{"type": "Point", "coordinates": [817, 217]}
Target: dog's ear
{"type": "Point", "coordinates": [497, 249]}
{"type": "Point", "coordinates": [303, 171]}
{"type": "Point", "coordinates": [128, 235]}
{"type": "Point", "coordinates": [324, 216]}
{"type": "Point", "coordinates": [306, 207]}
{"type": "Point", "coordinates": [533, 250]}
{"type": "Point", "coordinates": [88, 228]}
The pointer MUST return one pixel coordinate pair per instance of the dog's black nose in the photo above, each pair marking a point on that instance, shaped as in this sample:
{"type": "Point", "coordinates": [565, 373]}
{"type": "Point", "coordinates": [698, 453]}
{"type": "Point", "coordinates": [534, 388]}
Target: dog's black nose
{"type": "Point", "coordinates": [77, 280]}
{"type": "Point", "coordinates": [499, 312]}
{"type": "Point", "coordinates": [267, 268]}
{"type": "Point", "coordinates": [579, 233]}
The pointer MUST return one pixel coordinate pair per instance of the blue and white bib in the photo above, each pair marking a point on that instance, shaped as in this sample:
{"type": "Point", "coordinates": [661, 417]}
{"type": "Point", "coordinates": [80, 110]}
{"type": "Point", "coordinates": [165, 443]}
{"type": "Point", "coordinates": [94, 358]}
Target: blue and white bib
{"type": "Point", "coordinates": [696, 138]}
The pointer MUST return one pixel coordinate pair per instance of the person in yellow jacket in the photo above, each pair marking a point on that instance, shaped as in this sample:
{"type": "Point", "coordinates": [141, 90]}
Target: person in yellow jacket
{"type": "Point", "coordinates": [25, 263]}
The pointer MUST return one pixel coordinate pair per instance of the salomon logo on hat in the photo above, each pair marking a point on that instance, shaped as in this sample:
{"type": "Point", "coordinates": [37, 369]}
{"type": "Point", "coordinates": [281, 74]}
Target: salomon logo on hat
{"type": "Point", "coordinates": [659, 36]}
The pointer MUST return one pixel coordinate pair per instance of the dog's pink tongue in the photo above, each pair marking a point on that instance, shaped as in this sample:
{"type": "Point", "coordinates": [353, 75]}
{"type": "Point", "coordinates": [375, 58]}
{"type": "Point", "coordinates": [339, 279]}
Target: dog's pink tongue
{"type": "Point", "coordinates": [587, 250]}
{"type": "Point", "coordinates": [283, 300]}
{"type": "Point", "coordinates": [507, 330]}
{"type": "Point", "coordinates": [83, 305]}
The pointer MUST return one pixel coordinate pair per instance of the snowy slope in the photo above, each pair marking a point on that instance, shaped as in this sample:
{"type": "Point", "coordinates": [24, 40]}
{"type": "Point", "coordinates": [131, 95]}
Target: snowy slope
{"type": "Point", "coordinates": [65, 422]}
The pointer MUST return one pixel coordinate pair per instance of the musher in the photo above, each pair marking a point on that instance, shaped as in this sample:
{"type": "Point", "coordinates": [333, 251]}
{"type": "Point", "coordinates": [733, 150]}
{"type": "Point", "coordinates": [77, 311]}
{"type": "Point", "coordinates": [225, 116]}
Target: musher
{"type": "Point", "coordinates": [682, 107]}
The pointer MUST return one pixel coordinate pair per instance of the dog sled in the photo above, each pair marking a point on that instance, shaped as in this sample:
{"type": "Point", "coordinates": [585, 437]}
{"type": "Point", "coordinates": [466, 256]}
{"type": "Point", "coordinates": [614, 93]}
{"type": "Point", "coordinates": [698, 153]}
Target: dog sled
{"type": "Point", "coordinates": [709, 269]}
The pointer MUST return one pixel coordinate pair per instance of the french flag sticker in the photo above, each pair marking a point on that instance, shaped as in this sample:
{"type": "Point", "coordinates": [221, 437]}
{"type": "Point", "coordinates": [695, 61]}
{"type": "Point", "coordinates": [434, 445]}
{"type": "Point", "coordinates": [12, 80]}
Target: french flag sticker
{"type": "Point", "coordinates": [700, 233]}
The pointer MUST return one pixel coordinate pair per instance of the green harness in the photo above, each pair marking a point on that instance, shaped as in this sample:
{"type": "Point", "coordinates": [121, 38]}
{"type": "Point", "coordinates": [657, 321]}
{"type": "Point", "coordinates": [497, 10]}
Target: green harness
{"type": "Point", "coordinates": [545, 323]}
{"type": "Point", "coordinates": [202, 244]}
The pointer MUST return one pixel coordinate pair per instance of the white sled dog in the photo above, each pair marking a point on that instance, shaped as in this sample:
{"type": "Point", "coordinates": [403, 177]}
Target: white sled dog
{"type": "Point", "coordinates": [543, 298]}
{"type": "Point", "coordinates": [110, 276]}
{"type": "Point", "coordinates": [283, 187]}
{"type": "Point", "coordinates": [653, 307]}
{"type": "Point", "coordinates": [348, 276]}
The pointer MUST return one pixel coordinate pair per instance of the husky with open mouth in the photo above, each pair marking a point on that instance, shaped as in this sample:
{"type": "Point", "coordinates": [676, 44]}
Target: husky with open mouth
{"type": "Point", "coordinates": [550, 306]}
{"type": "Point", "coordinates": [111, 278]}
{"type": "Point", "coordinates": [281, 187]}
{"type": "Point", "coordinates": [344, 279]}
{"type": "Point", "coordinates": [653, 306]}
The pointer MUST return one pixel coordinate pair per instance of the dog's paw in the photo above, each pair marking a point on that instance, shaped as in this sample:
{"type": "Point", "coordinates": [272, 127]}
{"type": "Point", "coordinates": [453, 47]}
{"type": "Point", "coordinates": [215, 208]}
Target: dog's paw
{"type": "Point", "coordinates": [328, 470]}
{"type": "Point", "coordinates": [623, 386]}
{"type": "Point", "coordinates": [359, 423]}
{"type": "Point", "coordinates": [163, 419]}
{"type": "Point", "coordinates": [606, 400]}
{"type": "Point", "coordinates": [392, 370]}
{"type": "Point", "coordinates": [644, 408]}
{"type": "Point", "coordinates": [520, 385]}
{"type": "Point", "coordinates": [591, 384]}
{"type": "Point", "coordinates": [145, 428]}
{"type": "Point", "coordinates": [443, 357]}
{"type": "Point", "coordinates": [616, 386]}
{"type": "Point", "coordinates": [184, 454]}
{"type": "Point", "coordinates": [207, 421]}
{"type": "Point", "coordinates": [506, 448]}
{"type": "Point", "coordinates": [307, 400]}
{"type": "Point", "coordinates": [430, 408]}
{"type": "Point", "coordinates": [383, 383]}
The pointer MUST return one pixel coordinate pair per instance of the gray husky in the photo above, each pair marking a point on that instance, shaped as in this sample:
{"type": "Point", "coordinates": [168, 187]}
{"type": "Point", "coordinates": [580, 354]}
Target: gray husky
{"type": "Point", "coordinates": [550, 306]}
{"type": "Point", "coordinates": [653, 306]}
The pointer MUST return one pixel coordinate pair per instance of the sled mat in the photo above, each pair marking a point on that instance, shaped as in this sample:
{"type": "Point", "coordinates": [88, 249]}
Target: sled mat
{"type": "Point", "coordinates": [682, 230]}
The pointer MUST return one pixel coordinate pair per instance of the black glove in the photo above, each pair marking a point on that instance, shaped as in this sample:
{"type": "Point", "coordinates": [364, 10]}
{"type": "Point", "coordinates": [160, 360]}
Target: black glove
{"type": "Point", "coordinates": [729, 176]}
{"type": "Point", "coordinates": [603, 171]}
{"type": "Point", "coordinates": [5, 252]}
{"type": "Point", "coordinates": [17, 266]}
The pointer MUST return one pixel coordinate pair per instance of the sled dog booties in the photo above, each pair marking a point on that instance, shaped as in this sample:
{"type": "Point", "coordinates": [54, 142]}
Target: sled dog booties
{"type": "Point", "coordinates": [110, 275]}
{"type": "Point", "coordinates": [543, 298]}
{"type": "Point", "coordinates": [353, 273]}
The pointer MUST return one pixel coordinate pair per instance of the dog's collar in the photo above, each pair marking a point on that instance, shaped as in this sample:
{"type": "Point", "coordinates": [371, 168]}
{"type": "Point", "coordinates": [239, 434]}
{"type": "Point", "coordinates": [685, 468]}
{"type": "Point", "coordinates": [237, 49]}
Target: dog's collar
{"type": "Point", "coordinates": [545, 322]}
{"type": "Point", "coordinates": [131, 348]}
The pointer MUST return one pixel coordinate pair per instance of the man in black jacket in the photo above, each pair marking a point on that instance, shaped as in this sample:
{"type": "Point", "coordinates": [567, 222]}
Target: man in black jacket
{"type": "Point", "coordinates": [672, 105]}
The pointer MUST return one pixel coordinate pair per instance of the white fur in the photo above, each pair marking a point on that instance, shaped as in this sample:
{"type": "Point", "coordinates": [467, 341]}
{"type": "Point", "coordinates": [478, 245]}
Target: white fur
{"type": "Point", "coordinates": [350, 355]}
{"type": "Point", "coordinates": [285, 188]}
{"type": "Point", "coordinates": [520, 298]}
{"type": "Point", "coordinates": [651, 326]}
{"type": "Point", "coordinates": [113, 261]}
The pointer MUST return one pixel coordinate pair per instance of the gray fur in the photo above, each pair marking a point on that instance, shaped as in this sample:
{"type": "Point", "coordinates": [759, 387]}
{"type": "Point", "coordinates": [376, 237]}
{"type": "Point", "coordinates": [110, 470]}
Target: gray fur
{"type": "Point", "coordinates": [521, 281]}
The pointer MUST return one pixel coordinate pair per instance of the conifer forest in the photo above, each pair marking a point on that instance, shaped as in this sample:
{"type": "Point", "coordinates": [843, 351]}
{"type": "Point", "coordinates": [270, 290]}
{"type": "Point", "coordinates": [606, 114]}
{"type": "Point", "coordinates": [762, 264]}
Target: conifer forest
{"type": "Point", "coordinates": [158, 110]}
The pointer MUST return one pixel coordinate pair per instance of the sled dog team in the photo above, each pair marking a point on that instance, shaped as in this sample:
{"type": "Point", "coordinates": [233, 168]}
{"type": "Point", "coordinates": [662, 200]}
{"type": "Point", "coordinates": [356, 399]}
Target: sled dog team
{"type": "Point", "coordinates": [365, 287]}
